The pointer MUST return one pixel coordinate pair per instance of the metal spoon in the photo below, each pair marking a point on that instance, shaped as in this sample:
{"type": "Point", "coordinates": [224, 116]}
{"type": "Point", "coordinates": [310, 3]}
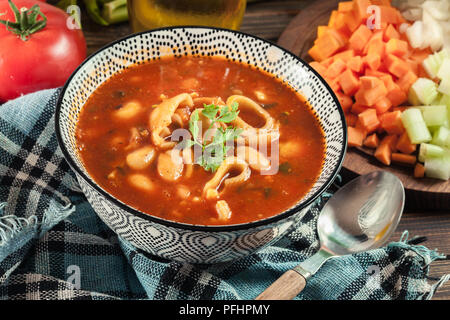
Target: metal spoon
{"type": "Point", "coordinates": [360, 216]}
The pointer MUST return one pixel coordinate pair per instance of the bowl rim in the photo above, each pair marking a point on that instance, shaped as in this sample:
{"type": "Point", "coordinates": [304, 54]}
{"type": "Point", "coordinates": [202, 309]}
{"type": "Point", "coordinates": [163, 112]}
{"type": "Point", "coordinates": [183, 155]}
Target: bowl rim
{"type": "Point", "coordinates": [194, 227]}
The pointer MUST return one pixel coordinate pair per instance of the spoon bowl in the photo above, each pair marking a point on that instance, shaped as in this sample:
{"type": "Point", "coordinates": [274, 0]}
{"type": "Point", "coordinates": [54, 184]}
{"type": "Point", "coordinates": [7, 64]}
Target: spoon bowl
{"type": "Point", "coordinates": [360, 216]}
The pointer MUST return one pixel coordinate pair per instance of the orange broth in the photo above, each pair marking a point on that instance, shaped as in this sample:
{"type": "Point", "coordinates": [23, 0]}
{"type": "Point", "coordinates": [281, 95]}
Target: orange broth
{"type": "Point", "coordinates": [102, 139]}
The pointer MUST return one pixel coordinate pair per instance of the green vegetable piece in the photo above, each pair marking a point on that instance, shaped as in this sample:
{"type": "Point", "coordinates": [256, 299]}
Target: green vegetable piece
{"type": "Point", "coordinates": [214, 152]}
{"type": "Point", "coordinates": [93, 11]}
{"type": "Point", "coordinates": [425, 90]}
{"type": "Point", "coordinates": [415, 126]}
{"type": "Point", "coordinates": [434, 115]}
{"type": "Point", "coordinates": [442, 137]}
{"type": "Point", "coordinates": [115, 11]}
{"type": "Point", "coordinates": [285, 168]}
{"type": "Point", "coordinates": [428, 151]}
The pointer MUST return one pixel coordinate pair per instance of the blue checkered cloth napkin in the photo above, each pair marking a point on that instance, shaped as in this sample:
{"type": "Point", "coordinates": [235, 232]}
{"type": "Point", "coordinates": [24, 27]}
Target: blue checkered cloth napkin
{"type": "Point", "coordinates": [53, 245]}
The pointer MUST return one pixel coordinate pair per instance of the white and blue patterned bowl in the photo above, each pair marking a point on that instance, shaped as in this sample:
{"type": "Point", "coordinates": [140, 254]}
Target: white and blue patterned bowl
{"type": "Point", "coordinates": [178, 241]}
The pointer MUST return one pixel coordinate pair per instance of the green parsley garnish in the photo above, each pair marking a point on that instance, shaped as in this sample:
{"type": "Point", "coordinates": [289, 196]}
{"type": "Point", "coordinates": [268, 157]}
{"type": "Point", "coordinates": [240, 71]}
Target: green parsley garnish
{"type": "Point", "coordinates": [213, 152]}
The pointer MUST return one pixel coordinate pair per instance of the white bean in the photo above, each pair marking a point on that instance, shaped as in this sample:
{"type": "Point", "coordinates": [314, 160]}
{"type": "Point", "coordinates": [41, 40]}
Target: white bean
{"type": "Point", "coordinates": [141, 182]}
{"type": "Point", "coordinates": [129, 110]}
{"type": "Point", "coordinates": [141, 158]}
{"type": "Point", "coordinates": [170, 166]}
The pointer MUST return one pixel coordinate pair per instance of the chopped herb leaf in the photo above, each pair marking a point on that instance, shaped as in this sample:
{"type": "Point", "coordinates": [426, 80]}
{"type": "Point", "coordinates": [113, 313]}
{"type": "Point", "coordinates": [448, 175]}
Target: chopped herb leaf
{"type": "Point", "coordinates": [285, 168]}
{"type": "Point", "coordinates": [214, 152]}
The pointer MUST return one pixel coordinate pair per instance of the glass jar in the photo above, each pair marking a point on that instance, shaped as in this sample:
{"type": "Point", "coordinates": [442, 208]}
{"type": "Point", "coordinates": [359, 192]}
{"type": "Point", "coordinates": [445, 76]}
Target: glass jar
{"type": "Point", "coordinates": [150, 14]}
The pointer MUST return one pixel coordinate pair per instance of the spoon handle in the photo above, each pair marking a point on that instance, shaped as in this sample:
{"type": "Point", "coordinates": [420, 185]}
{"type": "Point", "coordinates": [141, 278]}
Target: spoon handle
{"type": "Point", "coordinates": [287, 287]}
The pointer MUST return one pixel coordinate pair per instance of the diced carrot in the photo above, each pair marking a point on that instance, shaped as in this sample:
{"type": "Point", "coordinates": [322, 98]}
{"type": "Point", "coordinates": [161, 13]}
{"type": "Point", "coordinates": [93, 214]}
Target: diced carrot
{"type": "Point", "coordinates": [326, 45]}
{"type": "Point", "coordinates": [340, 38]}
{"type": "Point", "coordinates": [368, 82]}
{"type": "Point", "coordinates": [349, 82]}
{"type": "Point", "coordinates": [341, 23]}
{"type": "Point", "coordinates": [375, 45]}
{"type": "Point", "coordinates": [327, 62]}
{"type": "Point", "coordinates": [396, 95]}
{"type": "Point", "coordinates": [381, 2]}
{"type": "Point", "coordinates": [390, 33]}
{"type": "Point", "coordinates": [376, 73]}
{"type": "Point", "coordinates": [419, 171]}
{"type": "Point", "coordinates": [385, 149]}
{"type": "Point", "coordinates": [405, 159]}
{"type": "Point", "coordinates": [383, 153]}
{"type": "Point", "coordinates": [345, 101]}
{"type": "Point", "coordinates": [355, 137]}
{"type": "Point", "coordinates": [391, 122]}
{"type": "Point", "coordinates": [357, 108]}
{"type": "Point", "coordinates": [316, 54]}
{"type": "Point", "coordinates": [396, 47]}
{"type": "Point", "coordinates": [407, 81]}
{"type": "Point", "coordinates": [345, 6]}
{"type": "Point", "coordinates": [332, 20]}
{"type": "Point", "coordinates": [319, 68]}
{"type": "Point", "coordinates": [360, 8]}
{"type": "Point", "coordinates": [336, 68]}
{"type": "Point", "coordinates": [334, 84]}
{"type": "Point", "coordinates": [382, 105]}
{"type": "Point", "coordinates": [351, 119]}
{"type": "Point", "coordinates": [321, 30]}
{"type": "Point", "coordinates": [369, 97]}
{"type": "Point", "coordinates": [359, 38]}
{"type": "Point", "coordinates": [345, 55]}
{"type": "Point", "coordinates": [404, 144]}
{"type": "Point", "coordinates": [401, 108]}
{"type": "Point", "coordinates": [396, 66]}
{"type": "Point", "coordinates": [420, 55]}
{"type": "Point", "coordinates": [373, 61]}
{"type": "Point", "coordinates": [355, 64]}
{"type": "Point", "coordinates": [391, 141]}
{"type": "Point", "coordinates": [389, 15]}
{"type": "Point", "coordinates": [369, 120]}
{"type": "Point", "coordinates": [351, 21]}
{"type": "Point", "coordinates": [413, 65]}
{"type": "Point", "coordinates": [372, 141]}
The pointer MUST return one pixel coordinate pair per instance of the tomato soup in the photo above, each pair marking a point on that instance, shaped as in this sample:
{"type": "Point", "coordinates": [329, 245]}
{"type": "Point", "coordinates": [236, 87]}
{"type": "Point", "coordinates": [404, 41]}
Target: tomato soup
{"type": "Point", "coordinates": [125, 136]}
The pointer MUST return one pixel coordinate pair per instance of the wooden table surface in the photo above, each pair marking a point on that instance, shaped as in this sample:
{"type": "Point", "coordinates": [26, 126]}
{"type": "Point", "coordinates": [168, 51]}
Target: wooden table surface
{"type": "Point", "coordinates": [268, 19]}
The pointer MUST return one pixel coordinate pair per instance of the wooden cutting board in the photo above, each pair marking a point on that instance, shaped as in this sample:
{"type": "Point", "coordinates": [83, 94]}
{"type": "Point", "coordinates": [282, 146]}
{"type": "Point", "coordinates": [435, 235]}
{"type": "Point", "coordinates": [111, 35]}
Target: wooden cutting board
{"type": "Point", "coordinates": [298, 37]}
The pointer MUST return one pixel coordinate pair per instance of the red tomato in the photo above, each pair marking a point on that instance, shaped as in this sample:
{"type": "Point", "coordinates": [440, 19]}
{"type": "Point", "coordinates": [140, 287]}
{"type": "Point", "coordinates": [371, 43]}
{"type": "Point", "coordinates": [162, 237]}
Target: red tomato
{"type": "Point", "coordinates": [45, 59]}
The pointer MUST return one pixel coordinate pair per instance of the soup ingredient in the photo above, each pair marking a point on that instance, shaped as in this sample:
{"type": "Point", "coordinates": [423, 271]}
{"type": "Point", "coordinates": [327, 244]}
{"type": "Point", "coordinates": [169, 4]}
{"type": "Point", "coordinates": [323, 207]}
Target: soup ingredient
{"type": "Point", "coordinates": [106, 12]}
{"type": "Point", "coordinates": [213, 152]}
{"type": "Point", "coordinates": [428, 123]}
{"type": "Point", "coordinates": [141, 158]}
{"type": "Point", "coordinates": [37, 49]}
{"type": "Point", "coordinates": [373, 70]}
{"type": "Point", "coordinates": [431, 22]}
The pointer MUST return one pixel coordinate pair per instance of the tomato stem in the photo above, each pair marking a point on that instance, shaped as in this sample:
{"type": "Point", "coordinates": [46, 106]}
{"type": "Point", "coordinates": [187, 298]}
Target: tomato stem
{"type": "Point", "coordinates": [26, 22]}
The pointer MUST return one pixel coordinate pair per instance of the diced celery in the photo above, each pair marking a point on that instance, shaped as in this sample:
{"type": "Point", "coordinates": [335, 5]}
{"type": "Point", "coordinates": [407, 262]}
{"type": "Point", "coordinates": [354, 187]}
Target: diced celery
{"type": "Point", "coordinates": [442, 137]}
{"type": "Point", "coordinates": [427, 151]}
{"type": "Point", "coordinates": [445, 99]}
{"type": "Point", "coordinates": [415, 126]}
{"type": "Point", "coordinates": [444, 86]}
{"type": "Point", "coordinates": [438, 168]}
{"type": "Point", "coordinates": [434, 115]}
{"type": "Point", "coordinates": [444, 70]}
{"type": "Point", "coordinates": [413, 98]}
{"type": "Point", "coordinates": [433, 63]}
{"type": "Point", "coordinates": [425, 90]}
